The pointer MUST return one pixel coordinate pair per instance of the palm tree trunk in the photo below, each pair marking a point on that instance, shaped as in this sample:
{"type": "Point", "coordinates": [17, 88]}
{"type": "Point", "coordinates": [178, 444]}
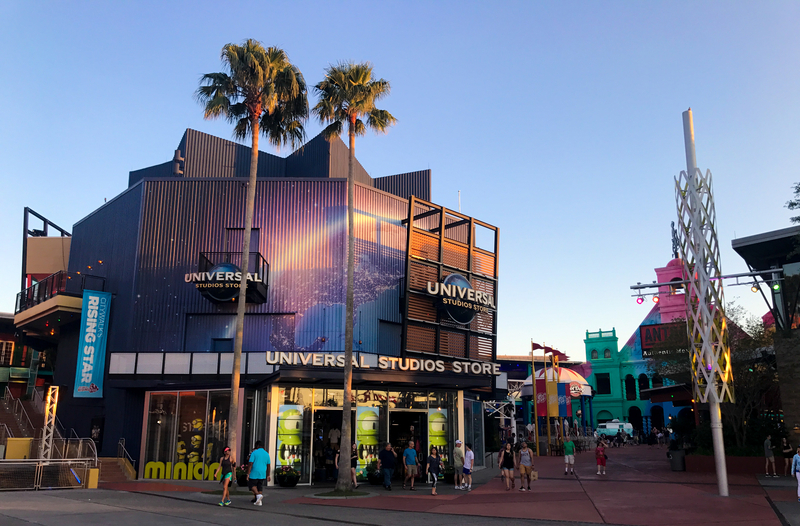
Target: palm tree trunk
{"type": "Point", "coordinates": [233, 417]}
{"type": "Point", "coordinates": [344, 483]}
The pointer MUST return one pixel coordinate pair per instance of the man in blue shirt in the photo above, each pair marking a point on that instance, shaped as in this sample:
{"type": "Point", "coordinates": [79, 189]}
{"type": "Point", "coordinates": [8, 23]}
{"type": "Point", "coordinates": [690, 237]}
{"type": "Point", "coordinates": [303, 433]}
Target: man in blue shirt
{"type": "Point", "coordinates": [257, 472]}
{"type": "Point", "coordinates": [410, 461]}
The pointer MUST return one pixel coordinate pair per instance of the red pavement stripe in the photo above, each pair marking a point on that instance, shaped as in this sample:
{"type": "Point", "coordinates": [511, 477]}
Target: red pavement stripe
{"type": "Point", "coordinates": [145, 486]}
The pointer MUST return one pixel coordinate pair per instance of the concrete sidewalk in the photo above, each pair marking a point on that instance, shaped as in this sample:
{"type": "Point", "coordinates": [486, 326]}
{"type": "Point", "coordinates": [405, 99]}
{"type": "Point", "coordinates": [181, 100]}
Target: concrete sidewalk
{"type": "Point", "coordinates": [638, 490]}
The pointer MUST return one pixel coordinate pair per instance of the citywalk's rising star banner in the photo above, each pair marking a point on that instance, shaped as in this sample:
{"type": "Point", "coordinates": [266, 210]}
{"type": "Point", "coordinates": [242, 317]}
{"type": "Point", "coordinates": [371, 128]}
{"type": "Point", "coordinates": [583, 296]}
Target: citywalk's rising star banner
{"type": "Point", "coordinates": [92, 345]}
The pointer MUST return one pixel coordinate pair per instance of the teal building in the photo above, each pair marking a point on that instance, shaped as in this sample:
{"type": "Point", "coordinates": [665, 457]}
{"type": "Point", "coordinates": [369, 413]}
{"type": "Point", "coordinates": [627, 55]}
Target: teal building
{"type": "Point", "coordinates": [619, 376]}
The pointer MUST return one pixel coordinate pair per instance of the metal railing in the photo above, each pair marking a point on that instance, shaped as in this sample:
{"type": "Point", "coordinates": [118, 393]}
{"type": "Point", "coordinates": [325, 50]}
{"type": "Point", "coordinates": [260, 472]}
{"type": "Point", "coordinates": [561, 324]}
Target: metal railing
{"type": "Point", "coordinates": [122, 452]}
{"type": "Point", "coordinates": [44, 474]}
{"type": "Point", "coordinates": [20, 415]}
{"type": "Point", "coordinates": [61, 283]}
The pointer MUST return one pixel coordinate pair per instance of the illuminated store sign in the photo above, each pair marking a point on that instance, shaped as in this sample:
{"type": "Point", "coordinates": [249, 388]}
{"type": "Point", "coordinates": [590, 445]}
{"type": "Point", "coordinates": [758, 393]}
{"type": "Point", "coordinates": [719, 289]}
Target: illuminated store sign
{"type": "Point", "coordinates": [221, 282]}
{"type": "Point", "coordinates": [384, 362]}
{"type": "Point", "coordinates": [460, 300]}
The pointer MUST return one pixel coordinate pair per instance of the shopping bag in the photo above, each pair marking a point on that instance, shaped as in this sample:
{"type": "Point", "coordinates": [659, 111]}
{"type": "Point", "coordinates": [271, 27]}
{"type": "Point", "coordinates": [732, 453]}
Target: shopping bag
{"type": "Point", "coordinates": [534, 475]}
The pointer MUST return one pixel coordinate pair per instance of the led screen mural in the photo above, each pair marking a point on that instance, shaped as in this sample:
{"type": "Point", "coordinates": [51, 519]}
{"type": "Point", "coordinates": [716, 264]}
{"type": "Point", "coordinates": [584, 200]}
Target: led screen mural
{"type": "Point", "coordinates": [302, 236]}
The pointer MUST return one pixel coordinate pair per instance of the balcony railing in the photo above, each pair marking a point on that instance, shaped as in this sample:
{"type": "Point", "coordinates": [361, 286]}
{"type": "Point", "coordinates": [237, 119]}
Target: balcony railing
{"type": "Point", "coordinates": [59, 284]}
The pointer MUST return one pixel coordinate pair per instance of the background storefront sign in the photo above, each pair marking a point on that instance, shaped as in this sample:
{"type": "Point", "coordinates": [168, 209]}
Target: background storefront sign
{"type": "Point", "coordinates": [664, 340]}
{"type": "Point", "coordinates": [92, 345]}
{"type": "Point", "coordinates": [290, 436]}
{"type": "Point", "coordinates": [575, 389]}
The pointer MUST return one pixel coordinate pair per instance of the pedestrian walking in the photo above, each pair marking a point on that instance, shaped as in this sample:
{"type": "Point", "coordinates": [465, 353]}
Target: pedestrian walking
{"type": "Point", "coordinates": [226, 466]}
{"type": "Point", "coordinates": [569, 456]}
{"type": "Point", "coordinates": [386, 462]}
{"type": "Point", "coordinates": [770, 457]}
{"type": "Point", "coordinates": [410, 460]}
{"type": "Point", "coordinates": [601, 457]}
{"type": "Point", "coordinates": [434, 465]}
{"type": "Point", "coordinates": [469, 463]}
{"type": "Point", "coordinates": [796, 471]}
{"type": "Point", "coordinates": [525, 465]}
{"type": "Point", "coordinates": [788, 454]}
{"type": "Point", "coordinates": [507, 464]}
{"type": "Point", "coordinates": [458, 464]}
{"type": "Point", "coordinates": [258, 472]}
{"type": "Point", "coordinates": [353, 464]}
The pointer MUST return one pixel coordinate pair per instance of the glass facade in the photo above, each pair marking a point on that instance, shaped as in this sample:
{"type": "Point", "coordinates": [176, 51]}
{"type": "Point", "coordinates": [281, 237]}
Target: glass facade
{"type": "Point", "coordinates": [185, 434]}
{"type": "Point", "coordinates": [185, 431]}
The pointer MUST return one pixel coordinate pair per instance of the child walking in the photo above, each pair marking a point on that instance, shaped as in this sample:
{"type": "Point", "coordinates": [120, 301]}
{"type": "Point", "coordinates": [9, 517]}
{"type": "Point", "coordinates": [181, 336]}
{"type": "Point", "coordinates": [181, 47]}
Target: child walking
{"type": "Point", "coordinates": [600, 455]}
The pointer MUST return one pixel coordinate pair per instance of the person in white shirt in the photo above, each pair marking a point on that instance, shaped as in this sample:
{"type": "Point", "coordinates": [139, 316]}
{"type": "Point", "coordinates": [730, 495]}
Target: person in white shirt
{"type": "Point", "coordinates": [469, 463]}
{"type": "Point", "coordinates": [333, 436]}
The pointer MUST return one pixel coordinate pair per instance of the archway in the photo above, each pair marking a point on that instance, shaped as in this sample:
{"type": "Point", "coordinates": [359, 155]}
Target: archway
{"type": "Point", "coordinates": [657, 416]}
{"type": "Point", "coordinates": [644, 383]}
{"type": "Point", "coordinates": [604, 416]}
{"type": "Point", "coordinates": [657, 381]}
{"type": "Point", "coordinates": [630, 388]}
{"type": "Point", "coordinates": [635, 418]}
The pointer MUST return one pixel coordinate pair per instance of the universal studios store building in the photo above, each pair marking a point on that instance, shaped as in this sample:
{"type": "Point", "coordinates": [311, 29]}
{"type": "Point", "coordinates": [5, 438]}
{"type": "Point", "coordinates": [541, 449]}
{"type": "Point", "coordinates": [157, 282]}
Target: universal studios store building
{"type": "Point", "coordinates": [425, 313]}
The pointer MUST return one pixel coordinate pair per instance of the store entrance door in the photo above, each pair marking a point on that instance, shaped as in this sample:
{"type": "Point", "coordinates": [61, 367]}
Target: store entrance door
{"type": "Point", "coordinates": [404, 426]}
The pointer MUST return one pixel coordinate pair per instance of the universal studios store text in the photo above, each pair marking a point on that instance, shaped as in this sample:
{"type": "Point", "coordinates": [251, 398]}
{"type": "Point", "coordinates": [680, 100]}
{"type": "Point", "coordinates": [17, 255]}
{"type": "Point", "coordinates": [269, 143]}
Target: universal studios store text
{"type": "Point", "coordinates": [299, 416]}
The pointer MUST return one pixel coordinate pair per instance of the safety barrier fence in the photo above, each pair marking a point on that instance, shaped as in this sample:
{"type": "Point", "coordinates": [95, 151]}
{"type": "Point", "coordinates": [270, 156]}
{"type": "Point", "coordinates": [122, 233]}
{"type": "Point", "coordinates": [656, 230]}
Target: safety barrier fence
{"type": "Point", "coordinates": [34, 474]}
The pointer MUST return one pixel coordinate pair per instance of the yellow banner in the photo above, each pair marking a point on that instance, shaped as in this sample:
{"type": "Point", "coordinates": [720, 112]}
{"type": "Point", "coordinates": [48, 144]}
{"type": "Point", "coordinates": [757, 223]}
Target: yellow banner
{"type": "Point", "coordinates": [552, 398]}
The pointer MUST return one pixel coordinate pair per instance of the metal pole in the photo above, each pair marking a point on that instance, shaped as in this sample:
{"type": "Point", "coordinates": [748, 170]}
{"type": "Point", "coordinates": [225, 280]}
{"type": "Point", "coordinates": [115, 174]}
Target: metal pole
{"type": "Point", "coordinates": [701, 261]}
{"type": "Point", "coordinates": [547, 400]}
{"type": "Point", "coordinates": [535, 411]}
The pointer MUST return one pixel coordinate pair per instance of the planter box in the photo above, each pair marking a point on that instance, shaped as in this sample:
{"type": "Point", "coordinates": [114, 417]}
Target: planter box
{"type": "Point", "coordinates": [736, 465]}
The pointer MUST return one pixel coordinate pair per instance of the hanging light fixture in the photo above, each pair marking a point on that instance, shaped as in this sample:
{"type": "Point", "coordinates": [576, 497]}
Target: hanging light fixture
{"type": "Point", "coordinates": [656, 299]}
{"type": "Point", "coordinates": [754, 288]}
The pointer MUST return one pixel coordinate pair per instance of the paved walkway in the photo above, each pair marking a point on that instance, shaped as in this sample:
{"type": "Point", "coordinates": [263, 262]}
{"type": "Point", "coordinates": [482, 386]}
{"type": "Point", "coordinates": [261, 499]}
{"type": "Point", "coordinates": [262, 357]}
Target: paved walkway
{"type": "Point", "coordinates": [639, 490]}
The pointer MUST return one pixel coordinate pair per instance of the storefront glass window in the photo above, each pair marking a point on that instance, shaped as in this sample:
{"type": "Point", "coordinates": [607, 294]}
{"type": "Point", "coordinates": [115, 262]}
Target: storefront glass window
{"type": "Point", "coordinates": [328, 397]}
{"type": "Point", "coordinates": [161, 427]}
{"type": "Point", "coordinates": [294, 430]}
{"type": "Point", "coordinates": [190, 448]}
{"type": "Point", "coordinates": [217, 427]}
{"type": "Point", "coordinates": [408, 400]}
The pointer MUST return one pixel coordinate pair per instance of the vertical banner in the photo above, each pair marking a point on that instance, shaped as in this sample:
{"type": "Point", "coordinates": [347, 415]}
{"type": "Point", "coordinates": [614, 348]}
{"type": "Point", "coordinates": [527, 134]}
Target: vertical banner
{"type": "Point", "coordinates": [367, 445]}
{"type": "Point", "coordinates": [437, 432]}
{"type": "Point", "coordinates": [91, 364]}
{"type": "Point", "coordinates": [552, 398]}
{"type": "Point", "coordinates": [562, 399]}
{"type": "Point", "coordinates": [541, 398]}
{"type": "Point", "coordinates": [290, 436]}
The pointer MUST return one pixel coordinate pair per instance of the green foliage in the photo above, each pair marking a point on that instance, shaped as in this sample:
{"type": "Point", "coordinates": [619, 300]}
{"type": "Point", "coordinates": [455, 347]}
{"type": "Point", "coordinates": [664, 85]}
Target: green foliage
{"type": "Point", "coordinates": [794, 204]}
{"type": "Point", "coordinates": [260, 86]}
{"type": "Point", "coordinates": [347, 96]}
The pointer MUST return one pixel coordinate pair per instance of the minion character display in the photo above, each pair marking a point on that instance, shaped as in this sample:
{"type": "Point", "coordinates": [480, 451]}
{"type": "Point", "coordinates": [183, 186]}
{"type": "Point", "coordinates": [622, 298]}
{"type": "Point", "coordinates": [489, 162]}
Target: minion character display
{"type": "Point", "coordinates": [290, 435]}
{"type": "Point", "coordinates": [197, 424]}
{"type": "Point", "coordinates": [367, 422]}
{"type": "Point", "coordinates": [437, 431]}
{"type": "Point", "coordinates": [181, 450]}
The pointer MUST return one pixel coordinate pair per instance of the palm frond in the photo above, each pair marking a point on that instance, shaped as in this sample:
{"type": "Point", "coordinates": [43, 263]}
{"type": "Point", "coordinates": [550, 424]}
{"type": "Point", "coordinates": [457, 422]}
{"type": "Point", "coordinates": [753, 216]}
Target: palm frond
{"type": "Point", "coordinates": [258, 82]}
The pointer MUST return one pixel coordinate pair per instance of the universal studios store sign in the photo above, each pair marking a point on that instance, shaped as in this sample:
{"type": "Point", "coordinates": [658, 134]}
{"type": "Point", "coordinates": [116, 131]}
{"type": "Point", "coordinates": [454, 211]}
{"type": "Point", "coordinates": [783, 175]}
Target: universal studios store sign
{"type": "Point", "coordinates": [384, 363]}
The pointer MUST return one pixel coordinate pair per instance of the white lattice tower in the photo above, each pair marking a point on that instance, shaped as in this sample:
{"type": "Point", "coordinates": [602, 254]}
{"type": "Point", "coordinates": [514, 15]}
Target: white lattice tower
{"type": "Point", "coordinates": [699, 251]}
{"type": "Point", "coordinates": [705, 312]}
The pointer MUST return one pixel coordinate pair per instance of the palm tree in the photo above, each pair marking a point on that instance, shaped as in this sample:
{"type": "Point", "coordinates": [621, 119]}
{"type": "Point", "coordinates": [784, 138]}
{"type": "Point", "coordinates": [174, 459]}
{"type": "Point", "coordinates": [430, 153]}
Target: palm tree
{"type": "Point", "coordinates": [347, 95]}
{"type": "Point", "coordinates": [261, 92]}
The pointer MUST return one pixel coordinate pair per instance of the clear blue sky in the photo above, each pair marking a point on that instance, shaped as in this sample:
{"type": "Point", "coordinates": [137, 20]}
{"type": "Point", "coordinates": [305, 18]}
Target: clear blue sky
{"type": "Point", "coordinates": [560, 122]}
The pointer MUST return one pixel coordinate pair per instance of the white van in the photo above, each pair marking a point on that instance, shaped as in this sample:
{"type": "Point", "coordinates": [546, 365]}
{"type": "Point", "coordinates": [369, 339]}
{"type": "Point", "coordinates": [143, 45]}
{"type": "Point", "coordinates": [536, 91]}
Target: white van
{"type": "Point", "coordinates": [611, 428]}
